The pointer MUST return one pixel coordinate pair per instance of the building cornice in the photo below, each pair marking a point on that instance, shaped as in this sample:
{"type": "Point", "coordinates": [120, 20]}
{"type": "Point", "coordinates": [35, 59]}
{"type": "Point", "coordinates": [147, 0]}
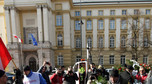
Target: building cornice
{"type": "Point", "coordinates": [112, 6]}
{"type": "Point", "coordinates": [103, 17]}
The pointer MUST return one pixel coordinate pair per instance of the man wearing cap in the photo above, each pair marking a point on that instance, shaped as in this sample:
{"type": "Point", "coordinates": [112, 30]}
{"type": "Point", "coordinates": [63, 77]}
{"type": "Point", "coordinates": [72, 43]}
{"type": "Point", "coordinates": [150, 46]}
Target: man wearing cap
{"type": "Point", "coordinates": [114, 77]}
{"type": "Point", "coordinates": [3, 77]}
{"type": "Point", "coordinates": [32, 77]}
{"type": "Point", "coordinates": [127, 76]}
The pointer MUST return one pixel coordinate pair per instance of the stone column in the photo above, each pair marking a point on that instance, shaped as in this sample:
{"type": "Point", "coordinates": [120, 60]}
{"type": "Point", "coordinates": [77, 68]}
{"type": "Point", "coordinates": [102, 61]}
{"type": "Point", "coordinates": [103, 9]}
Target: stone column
{"type": "Point", "coordinates": [106, 33]}
{"type": "Point", "coordinates": [39, 20]}
{"type": "Point", "coordinates": [95, 40]}
{"type": "Point", "coordinates": [8, 25]}
{"type": "Point", "coordinates": [13, 22]}
{"type": "Point", "coordinates": [45, 23]}
{"type": "Point", "coordinates": [67, 39]}
{"type": "Point", "coordinates": [118, 33]}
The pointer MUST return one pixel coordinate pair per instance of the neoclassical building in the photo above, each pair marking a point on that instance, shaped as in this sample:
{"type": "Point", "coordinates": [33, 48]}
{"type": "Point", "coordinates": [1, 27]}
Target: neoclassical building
{"type": "Point", "coordinates": [107, 29]}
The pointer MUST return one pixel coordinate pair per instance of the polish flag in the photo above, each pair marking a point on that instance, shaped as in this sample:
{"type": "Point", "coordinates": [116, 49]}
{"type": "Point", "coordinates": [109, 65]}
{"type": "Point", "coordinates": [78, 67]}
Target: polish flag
{"type": "Point", "coordinates": [5, 57]}
{"type": "Point", "coordinates": [19, 40]}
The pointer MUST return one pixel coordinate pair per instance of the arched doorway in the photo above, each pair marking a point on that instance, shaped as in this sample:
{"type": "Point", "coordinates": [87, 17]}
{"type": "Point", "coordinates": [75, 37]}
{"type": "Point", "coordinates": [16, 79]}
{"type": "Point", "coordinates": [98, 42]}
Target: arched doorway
{"type": "Point", "coordinates": [32, 63]}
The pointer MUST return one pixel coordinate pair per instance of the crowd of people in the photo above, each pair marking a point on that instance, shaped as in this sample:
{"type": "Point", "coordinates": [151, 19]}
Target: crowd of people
{"type": "Point", "coordinates": [92, 76]}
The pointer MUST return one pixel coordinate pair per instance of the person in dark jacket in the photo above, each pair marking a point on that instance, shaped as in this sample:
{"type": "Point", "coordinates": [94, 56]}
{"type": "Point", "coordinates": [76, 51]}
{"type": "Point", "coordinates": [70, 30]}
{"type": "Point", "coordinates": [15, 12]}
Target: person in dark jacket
{"type": "Point", "coordinates": [114, 77]}
{"type": "Point", "coordinates": [127, 75]}
{"type": "Point", "coordinates": [70, 77]}
{"type": "Point", "coordinates": [45, 73]}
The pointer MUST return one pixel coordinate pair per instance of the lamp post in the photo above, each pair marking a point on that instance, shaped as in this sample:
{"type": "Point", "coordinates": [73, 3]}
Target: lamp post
{"type": "Point", "coordinates": [80, 22]}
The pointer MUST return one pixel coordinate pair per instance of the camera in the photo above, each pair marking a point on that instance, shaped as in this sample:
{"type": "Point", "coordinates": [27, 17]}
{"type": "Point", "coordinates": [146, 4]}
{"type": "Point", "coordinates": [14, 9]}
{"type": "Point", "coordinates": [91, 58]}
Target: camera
{"type": "Point", "coordinates": [47, 63]}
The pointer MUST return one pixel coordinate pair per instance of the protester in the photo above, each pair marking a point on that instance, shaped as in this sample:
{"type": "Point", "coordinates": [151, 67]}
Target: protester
{"type": "Point", "coordinates": [92, 79]}
{"type": "Point", "coordinates": [115, 78]}
{"type": "Point", "coordinates": [127, 76]}
{"type": "Point", "coordinates": [62, 70]}
{"type": "Point", "coordinates": [32, 77]}
{"type": "Point", "coordinates": [93, 68]}
{"type": "Point", "coordinates": [101, 79]}
{"type": "Point", "coordinates": [57, 77]}
{"type": "Point", "coordinates": [142, 75]}
{"type": "Point", "coordinates": [45, 73]}
{"type": "Point", "coordinates": [3, 77]}
{"type": "Point", "coordinates": [103, 72]}
{"type": "Point", "coordinates": [70, 77]}
{"type": "Point", "coordinates": [82, 73]}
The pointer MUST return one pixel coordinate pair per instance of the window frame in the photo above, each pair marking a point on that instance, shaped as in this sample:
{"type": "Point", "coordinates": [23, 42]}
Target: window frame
{"type": "Point", "coordinates": [89, 13]}
{"type": "Point", "coordinates": [101, 42]}
{"type": "Point", "coordinates": [123, 59]}
{"type": "Point", "coordinates": [112, 24]}
{"type": "Point", "coordinates": [100, 24]}
{"type": "Point", "coordinates": [59, 40]}
{"type": "Point", "coordinates": [78, 42]}
{"type": "Point", "coordinates": [112, 42]}
{"type": "Point", "coordinates": [89, 24]}
{"type": "Point", "coordinates": [77, 13]}
{"type": "Point", "coordinates": [112, 12]}
{"type": "Point", "coordinates": [60, 60]}
{"type": "Point", "coordinates": [111, 59]}
{"type": "Point", "coordinates": [89, 41]}
{"type": "Point", "coordinates": [59, 20]}
{"type": "Point", "coordinates": [77, 25]}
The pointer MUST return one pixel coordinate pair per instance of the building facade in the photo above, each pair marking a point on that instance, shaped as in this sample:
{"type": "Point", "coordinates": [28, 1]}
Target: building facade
{"type": "Point", "coordinates": [107, 29]}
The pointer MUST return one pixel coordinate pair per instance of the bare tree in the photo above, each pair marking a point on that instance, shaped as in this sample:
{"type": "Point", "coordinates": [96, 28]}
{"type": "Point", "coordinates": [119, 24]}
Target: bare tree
{"type": "Point", "coordinates": [137, 44]}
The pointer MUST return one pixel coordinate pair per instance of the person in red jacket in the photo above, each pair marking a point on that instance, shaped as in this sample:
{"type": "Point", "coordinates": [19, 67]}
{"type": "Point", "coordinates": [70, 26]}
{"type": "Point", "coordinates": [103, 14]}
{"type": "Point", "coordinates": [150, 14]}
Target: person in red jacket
{"type": "Point", "coordinates": [57, 77]}
{"type": "Point", "coordinates": [141, 76]}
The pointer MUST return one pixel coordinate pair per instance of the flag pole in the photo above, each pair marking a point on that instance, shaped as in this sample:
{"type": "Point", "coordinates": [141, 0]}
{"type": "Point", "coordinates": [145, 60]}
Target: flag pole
{"type": "Point", "coordinates": [14, 64]}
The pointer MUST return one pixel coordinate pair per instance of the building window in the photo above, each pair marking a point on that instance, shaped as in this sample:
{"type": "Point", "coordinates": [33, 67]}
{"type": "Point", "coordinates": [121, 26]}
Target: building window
{"type": "Point", "coordinates": [145, 42]}
{"type": "Point", "coordinates": [112, 41]}
{"type": "Point", "coordinates": [111, 59]}
{"type": "Point", "coordinates": [60, 60]}
{"type": "Point", "coordinates": [136, 11]}
{"type": "Point", "coordinates": [89, 24]}
{"type": "Point", "coordinates": [100, 12]}
{"type": "Point", "coordinates": [58, 20]}
{"type": "Point", "coordinates": [124, 12]}
{"type": "Point", "coordinates": [123, 60]}
{"type": "Point", "coordinates": [78, 58]}
{"type": "Point", "coordinates": [89, 13]}
{"type": "Point", "coordinates": [101, 60]}
{"type": "Point", "coordinates": [100, 24]}
{"type": "Point", "coordinates": [135, 24]}
{"type": "Point", "coordinates": [30, 38]}
{"type": "Point", "coordinates": [147, 23]}
{"type": "Point", "coordinates": [90, 59]}
{"type": "Point", "coordinates": [77, 13]}
{"type": "Point", "coordinates": [60, 40]}
{"type": "Point", "coordinates": [112, 24]}
{"type": "Point", "coordinates": [145, 59]}
{"type": "Point", "coordinates": [133, 57]}
{"type": "Point", "coordinates": [147, 11]}
{"type": "Point", "coordinates": [78, 43]}
{"type": "Point", "coordinates": [89, 41]}
{"type": "Point", "coordinates": [134, 42]}
{"type": "Point", "coordinates": [112, 12]}
{"type": "Point", "coordinates": [123, 24]}
{"type": "Point", "coordinates": [100, 42]}
{"type": "Point", "coordinates": [123, 42]}
{"type": "Point", "coordinates": [77, 25]}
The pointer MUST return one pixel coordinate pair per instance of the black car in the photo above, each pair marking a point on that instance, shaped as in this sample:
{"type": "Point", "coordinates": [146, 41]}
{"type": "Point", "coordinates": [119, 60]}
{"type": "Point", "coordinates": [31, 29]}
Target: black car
{"type": "Point", "coordinates": [10, 78]}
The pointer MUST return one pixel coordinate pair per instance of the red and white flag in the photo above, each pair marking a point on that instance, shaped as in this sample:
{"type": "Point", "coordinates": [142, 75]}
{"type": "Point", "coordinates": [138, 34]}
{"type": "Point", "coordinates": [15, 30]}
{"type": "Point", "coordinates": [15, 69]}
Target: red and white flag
{"type": "Point", "coordinates": [19, 39]}
{"type": "Point", "coordinates": [5, 57]}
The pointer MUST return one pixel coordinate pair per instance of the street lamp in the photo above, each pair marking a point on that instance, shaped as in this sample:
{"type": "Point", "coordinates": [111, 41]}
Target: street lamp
{"type": "Point", "coordinates": [80, 22]}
